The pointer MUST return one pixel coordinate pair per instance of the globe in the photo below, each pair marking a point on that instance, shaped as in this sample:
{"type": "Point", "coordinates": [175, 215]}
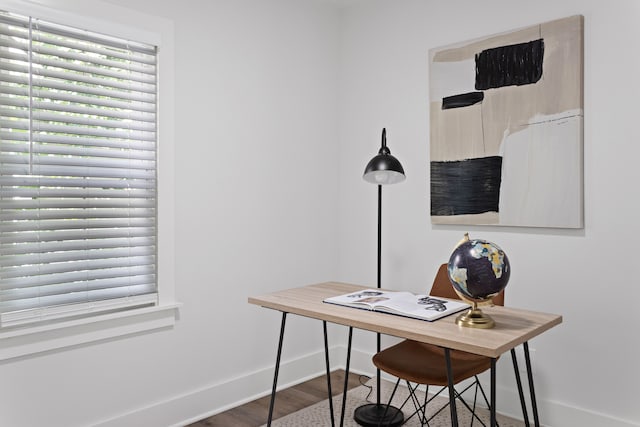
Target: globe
{"type": "Point", "coordinates": [478, 270]}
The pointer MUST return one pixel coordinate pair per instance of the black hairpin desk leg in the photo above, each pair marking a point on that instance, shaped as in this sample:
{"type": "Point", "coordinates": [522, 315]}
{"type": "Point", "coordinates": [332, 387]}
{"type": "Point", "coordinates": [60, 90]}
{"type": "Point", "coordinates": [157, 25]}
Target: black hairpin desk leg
{"type": "Point", "coordinates": [493, 421]}
{"type": "Point", "coordinates": [516, 371]}
{"type": "Point", "coordinates": [532, 391]}
{"type": "Point", "coordinates": [452, 391]}
{"type": "Point", "coordinates": [346, 378]}
{"type": "Point", "coordinates": [326, 359]}
{"type": "Point", "coordinates": [275, 375]}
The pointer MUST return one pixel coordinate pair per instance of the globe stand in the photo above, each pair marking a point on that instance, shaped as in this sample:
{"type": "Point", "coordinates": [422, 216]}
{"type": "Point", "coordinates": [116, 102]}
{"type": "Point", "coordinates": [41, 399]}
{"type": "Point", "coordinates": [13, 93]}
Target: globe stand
{"type": "Point", "coordinates": [475, 318]}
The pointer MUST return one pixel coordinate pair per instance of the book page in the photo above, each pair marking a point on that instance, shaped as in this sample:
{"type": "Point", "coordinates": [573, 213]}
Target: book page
{"type": "Point", "coordinates": [370, 298]}
{"type": "Point", "coordinates": [422, 307]}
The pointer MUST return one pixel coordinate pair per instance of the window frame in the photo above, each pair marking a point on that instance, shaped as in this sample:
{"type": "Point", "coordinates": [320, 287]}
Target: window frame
{"type": "Point", "coordinates": [120, 22]}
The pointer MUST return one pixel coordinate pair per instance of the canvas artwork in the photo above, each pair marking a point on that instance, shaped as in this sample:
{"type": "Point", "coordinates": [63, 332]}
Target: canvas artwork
{"type": "Point", "coordinates": [506, 118]}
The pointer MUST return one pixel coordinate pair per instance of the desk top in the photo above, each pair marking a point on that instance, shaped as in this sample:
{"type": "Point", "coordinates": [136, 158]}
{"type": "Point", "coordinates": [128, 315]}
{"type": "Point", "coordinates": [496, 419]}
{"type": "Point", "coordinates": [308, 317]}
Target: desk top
{"type": "Point", "coordinates": [513, 326]}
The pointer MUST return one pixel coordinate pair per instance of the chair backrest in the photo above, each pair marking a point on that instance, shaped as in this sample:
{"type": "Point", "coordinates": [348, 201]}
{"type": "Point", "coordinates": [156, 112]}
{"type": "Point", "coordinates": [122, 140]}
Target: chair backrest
{"type": "Point", "coordinates": [442, 287]}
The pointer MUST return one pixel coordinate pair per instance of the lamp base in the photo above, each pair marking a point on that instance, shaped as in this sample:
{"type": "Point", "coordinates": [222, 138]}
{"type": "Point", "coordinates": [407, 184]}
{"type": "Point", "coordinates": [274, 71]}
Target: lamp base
{"type": "Point", "coordinates": [475, 318]}
{"type": "Point", "coordinates": [373, 415]}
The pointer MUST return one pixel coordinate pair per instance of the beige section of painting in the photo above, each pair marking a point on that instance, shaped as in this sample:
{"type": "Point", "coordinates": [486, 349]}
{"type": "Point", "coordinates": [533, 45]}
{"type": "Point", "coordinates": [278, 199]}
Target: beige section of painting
{"type": "Point", "coordinates": [461, 128]}
{"type": "Point", "coordinates": [486, 218]}
{"type": "Point", "coordinates": [463, 133]}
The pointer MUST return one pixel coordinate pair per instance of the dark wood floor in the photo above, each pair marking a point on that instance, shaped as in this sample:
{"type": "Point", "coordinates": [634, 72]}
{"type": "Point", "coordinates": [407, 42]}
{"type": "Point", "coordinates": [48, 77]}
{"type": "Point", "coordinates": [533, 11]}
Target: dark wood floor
{"type": "Point", "coordinates": [255, 413]}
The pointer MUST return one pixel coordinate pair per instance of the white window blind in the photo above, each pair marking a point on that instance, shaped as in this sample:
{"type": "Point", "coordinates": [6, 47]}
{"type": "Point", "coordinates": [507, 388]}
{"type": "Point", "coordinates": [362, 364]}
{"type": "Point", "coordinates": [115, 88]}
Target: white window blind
{"type": "Point", "coordinates": [77, 172]}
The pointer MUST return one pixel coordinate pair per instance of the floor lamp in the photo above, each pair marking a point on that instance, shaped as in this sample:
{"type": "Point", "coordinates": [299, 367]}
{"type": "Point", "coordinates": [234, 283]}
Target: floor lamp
{"type": "Point", "coordinates": [383, 169]}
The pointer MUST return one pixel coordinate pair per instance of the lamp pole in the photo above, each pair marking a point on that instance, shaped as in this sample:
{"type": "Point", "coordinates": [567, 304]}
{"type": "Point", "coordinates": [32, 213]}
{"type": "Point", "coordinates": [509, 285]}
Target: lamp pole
{"type": "Point", "coordinates": [383, 169]}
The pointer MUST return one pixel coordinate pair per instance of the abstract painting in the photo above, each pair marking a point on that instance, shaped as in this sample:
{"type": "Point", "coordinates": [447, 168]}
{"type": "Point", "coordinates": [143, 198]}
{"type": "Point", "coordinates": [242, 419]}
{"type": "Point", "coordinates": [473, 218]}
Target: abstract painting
{"type": "Point", "coordinates": [506, 124]}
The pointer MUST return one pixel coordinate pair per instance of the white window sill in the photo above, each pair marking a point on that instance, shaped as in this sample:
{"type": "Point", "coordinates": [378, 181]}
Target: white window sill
{"type": "Point", "coordinates": [38, 339]}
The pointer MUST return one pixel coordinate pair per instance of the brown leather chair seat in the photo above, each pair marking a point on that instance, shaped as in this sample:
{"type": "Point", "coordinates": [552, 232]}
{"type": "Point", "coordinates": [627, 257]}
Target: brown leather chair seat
{"type": "Point", "coordinates": [424, 363]}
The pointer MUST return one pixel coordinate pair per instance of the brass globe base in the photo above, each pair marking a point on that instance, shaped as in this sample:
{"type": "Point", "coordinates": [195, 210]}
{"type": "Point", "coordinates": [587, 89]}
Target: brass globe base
{"type": "Point", "coordinates": [475, 318]}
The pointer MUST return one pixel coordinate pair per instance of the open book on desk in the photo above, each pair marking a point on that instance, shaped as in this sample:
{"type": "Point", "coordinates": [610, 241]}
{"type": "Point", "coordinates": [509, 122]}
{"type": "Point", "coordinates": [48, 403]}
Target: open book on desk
{"type": "Point", "coordinates": [423, 307]}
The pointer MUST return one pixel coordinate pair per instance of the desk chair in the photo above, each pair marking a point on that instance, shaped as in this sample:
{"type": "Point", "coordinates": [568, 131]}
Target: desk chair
{"type": "Point", "coordinates": [421, 363]}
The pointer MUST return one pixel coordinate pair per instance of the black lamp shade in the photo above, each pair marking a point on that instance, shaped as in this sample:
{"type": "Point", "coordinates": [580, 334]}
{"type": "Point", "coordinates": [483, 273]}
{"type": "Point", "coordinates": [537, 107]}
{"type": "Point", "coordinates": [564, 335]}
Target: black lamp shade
{"type": "Point", "coordinates": [384, 169]}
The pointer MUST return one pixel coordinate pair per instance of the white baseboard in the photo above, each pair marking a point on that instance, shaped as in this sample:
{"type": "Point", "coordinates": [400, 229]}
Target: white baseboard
{"type": "Point", "coordinates": [556, 414]}
{"type": "Point", "coordinates": [215, 398]}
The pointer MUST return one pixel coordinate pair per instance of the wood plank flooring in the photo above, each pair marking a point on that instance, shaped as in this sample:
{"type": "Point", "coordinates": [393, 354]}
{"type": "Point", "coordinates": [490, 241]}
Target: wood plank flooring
{"type": "Point", "coordinates": [255, 413]}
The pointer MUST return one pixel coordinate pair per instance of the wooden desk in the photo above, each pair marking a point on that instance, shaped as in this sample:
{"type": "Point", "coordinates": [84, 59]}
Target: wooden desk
{"type": "Point", "coordinates": [513, 327]}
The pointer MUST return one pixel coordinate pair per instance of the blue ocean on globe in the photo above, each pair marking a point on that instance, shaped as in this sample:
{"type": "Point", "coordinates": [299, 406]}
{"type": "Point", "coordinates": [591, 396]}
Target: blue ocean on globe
{"type": "Point", "coordinates": [478, 269]}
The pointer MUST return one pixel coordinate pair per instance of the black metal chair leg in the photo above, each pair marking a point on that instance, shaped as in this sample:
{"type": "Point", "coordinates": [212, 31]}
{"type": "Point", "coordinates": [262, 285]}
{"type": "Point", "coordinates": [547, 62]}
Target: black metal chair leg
{"type": "Point", "coordinates": [275, 375]}
{"type": "Point", "coordinates": [516, 371]}
{"type": "Point", "coordinates": [346, 378]}
{"type": "Point", "coordinates": [452, 391]}
{"type": "Point", "coordinates": [472, 409]}
{"type": "Point", "coordinates": [423, 420]}
{"type": "Point", "coordinates": [326, 359]}
{"type": "Point", "coordinates": [386, 409]}
{"type": "Point", "coordinates": [420, 406]}
{"type": "Point", "coordinates": [532, 391]}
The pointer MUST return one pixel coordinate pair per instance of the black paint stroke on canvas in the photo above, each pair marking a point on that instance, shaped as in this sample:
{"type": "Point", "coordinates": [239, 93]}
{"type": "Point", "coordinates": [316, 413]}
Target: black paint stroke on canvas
{"type": "Point", "coordinates": [466, 186]}
{"type": "Point", "coordinates": [511, 65]}
{"type": "Point", "coordinates": [462, 100]}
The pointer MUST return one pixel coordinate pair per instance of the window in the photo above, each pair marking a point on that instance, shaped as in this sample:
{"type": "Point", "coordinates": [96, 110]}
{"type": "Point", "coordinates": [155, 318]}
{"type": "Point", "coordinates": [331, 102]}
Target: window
{"type": "Point", "coordinates": [78, 184]}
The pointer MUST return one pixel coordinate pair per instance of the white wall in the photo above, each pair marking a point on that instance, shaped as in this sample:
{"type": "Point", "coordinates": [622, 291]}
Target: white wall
{"type": "Point", "coordinates": [588, 365]}
{"type": "Point", "coordinates": [256, 191]}
{"type": "Point", "coordinates": [279, 105]}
